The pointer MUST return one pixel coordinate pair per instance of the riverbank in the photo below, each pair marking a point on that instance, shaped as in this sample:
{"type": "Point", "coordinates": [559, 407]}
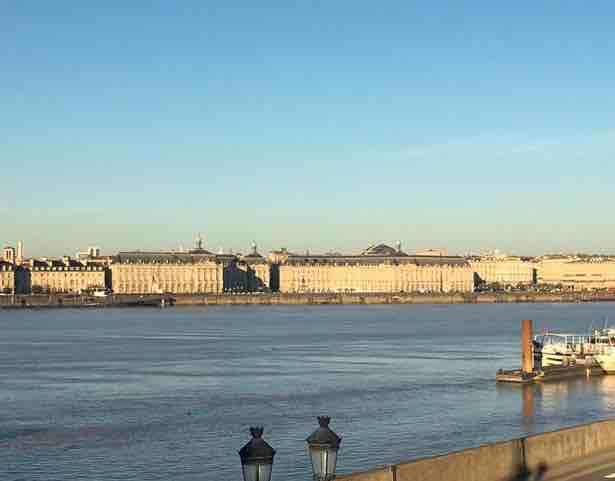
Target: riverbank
{"type": "Point", "coordinates": [63, 300]}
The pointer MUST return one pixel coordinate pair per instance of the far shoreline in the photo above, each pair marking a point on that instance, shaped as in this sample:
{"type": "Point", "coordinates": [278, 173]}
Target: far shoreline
{"type": "Point", "coordinates": [44, 301]}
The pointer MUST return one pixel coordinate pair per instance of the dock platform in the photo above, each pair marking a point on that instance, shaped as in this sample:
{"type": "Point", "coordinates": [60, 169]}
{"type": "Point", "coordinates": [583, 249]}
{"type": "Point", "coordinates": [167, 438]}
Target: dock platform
{"type": "Point", "coordinates": [551, 373]}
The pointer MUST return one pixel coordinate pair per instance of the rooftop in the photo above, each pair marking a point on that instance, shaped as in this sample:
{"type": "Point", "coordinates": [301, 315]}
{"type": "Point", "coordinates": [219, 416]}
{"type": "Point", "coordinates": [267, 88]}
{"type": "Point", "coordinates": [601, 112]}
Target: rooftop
{"type": "Point", "coordinates": [162, 257]}
{"type": "Point", "coordinates": [378, 254]}
{"type": "Point", "coordinates": [383, 250]}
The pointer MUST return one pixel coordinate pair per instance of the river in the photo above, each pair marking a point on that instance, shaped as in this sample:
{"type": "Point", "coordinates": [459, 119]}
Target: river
{"type": "Point", "coordinates": [169, 394]}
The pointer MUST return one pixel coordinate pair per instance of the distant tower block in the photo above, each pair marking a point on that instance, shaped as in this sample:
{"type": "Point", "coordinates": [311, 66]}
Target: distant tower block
{"type": "Point", "coordinates": [19, 257]}
{"type": "Point", "coordinates": [254, 248]}
{"type": "Point", "coordinates": [8, 254]}
{"type": "Point", "coordinates": [398, 244]}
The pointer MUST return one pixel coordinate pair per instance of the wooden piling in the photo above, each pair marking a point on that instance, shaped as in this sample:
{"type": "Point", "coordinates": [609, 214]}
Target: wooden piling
{"type": "Point", "coordinates": [527, 356]}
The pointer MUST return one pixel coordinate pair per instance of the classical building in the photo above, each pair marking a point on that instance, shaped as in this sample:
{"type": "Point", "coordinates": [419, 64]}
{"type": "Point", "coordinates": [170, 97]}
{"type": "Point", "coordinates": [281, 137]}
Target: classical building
{"type": "Point", "coordinates": [65, 276]}
{"type": "Point", "coordinates": [7, 278]}
{"type": "Point", "coordinates": [508, 270]}
{"type": "Point", "coordinates": [377, 269]}
{"type": "Point", "coordinates": [196, 272]}
{"type": "Point", "coordinates": [577, 273]}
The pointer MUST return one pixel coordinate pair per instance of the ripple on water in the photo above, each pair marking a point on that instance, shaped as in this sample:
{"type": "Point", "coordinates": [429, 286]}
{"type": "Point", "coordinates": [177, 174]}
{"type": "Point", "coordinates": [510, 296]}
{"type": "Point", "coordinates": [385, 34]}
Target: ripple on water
{"type": "Point", "coordinates": [169, 394]}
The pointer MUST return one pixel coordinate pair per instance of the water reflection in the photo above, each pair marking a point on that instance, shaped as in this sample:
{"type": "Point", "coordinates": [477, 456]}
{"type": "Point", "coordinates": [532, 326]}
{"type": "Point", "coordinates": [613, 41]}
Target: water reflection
{"type": "Point", "coordinates": [567, 402]}
{"type": "Point", "coordinates": [591, 392]}
{"type": "Point", "coordinates": [528, 402]}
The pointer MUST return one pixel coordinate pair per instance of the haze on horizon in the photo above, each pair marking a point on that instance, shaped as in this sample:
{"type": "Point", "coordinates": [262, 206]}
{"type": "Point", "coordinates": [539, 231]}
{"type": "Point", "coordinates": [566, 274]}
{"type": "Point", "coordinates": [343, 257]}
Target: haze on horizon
{"type": "Point", "coordinates": [327, 126]}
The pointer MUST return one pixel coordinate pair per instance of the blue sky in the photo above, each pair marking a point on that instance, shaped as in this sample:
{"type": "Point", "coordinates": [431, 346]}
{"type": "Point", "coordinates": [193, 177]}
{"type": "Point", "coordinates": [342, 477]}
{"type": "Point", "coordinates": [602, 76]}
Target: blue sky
{"type": "Point", "coordinates": [318, 125]}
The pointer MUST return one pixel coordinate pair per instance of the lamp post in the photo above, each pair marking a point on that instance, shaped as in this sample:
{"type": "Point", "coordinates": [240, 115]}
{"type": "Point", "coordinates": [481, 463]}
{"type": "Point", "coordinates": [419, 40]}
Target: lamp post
{"type": "Point", "coordinates": [256, 457]}
{"type": "Point", "coordinates": [323, 445]}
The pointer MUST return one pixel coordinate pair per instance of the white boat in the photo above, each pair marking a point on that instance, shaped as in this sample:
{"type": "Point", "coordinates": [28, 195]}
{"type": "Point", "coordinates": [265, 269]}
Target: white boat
{"type": "Point", "coordinates": [606, 357]}
{"type": "Point", "coordinates": [559, 349]}
{"type": "Point", "coordinates": [606, 361]}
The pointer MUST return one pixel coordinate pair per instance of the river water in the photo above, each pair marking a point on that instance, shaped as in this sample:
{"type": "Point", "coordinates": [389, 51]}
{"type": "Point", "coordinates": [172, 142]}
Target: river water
{"type": "Point", "coordinates": [169, 394]}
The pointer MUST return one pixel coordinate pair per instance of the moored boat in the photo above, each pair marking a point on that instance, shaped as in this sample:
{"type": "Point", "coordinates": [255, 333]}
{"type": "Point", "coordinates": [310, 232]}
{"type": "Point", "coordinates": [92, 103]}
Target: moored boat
{"type": "Point", "coordinates": [606, 361]}
{"type": "Point", "coordinates": [560, 349]}
{"type": "Point", "coordinates": [606, 357]}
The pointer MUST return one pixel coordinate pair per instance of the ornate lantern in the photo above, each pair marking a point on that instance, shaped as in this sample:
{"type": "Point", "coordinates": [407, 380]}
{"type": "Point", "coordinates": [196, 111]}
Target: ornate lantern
{"type": "Point", "coordinates": [256, 457]}
{"type": "Point", "coordinates": [323, 445]}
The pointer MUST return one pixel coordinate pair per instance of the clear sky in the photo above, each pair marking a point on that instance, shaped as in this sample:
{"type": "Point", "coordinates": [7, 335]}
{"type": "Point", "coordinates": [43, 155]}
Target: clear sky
{"type": "Point", "coordinates": [312, 125]}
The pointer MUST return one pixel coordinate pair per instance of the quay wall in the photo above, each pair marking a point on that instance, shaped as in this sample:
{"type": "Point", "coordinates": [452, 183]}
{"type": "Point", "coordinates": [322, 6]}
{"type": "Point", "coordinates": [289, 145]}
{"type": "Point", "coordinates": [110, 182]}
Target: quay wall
{"type": "Point", "coordinates": [66, 300]}
{"type": "Point", "coordinates": [266, 299]}
{"type": "Point", "coordinates": [541, 456]}
{"type": "Point", "coordinates": [384, 298]}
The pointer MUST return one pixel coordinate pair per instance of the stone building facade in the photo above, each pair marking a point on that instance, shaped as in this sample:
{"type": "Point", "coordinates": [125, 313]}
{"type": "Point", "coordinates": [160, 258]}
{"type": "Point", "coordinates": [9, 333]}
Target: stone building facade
{"type": "Point", "coordinates": [64, 277]}
{"type": "Point", "coordinates": [507, 270]}
{"type": "Point", "coordinates": [196, 272]}
{"type": "Point", "coordinates": [378, 269]}
{"type": "Point", "coordinates": [577, 274]}
{"type": "Point", "coordinates": [7, 278]}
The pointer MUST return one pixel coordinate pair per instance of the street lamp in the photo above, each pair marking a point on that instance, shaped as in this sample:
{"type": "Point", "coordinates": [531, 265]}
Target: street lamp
{"type": "Point", "coordinates": [323, 445]}
{"type": "Point", "coordinates": [256, 457]}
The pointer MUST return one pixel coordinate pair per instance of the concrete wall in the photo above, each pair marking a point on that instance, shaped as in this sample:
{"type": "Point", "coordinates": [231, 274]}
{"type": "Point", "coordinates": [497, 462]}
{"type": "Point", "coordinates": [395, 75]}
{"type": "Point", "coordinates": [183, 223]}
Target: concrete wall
{"type": "Point", "coordinates": [533, 457]}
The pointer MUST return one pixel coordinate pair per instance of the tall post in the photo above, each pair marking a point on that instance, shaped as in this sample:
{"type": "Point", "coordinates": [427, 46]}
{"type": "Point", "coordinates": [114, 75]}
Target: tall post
{"type": "Point", "coordinates": [527, 357]}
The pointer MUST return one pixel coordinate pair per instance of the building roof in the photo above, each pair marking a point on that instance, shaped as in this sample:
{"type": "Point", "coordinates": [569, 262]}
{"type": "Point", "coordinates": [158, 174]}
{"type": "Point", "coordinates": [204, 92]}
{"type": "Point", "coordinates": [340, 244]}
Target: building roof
{"type": "Point", "coordinates": [374, 255]}
{"type": "Point", "coordinates": [192, 257]}
{"type": "Point", "coordinates": [376, 259]}
{"type": "Point", "coordinates": [383, 250]}
{"type": "Point", "coordinates": [489, 258]}
{"type": "Point", "coordinates": [200, 251]}
{"type": "Point", "coordinates": [593, 260]}
{"type": "Point", "coordinates": [253, 257]}
{"type": "Point", "coordinates": [47, 266]}
{"type": "Point", "coordinates": [440, 260]}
